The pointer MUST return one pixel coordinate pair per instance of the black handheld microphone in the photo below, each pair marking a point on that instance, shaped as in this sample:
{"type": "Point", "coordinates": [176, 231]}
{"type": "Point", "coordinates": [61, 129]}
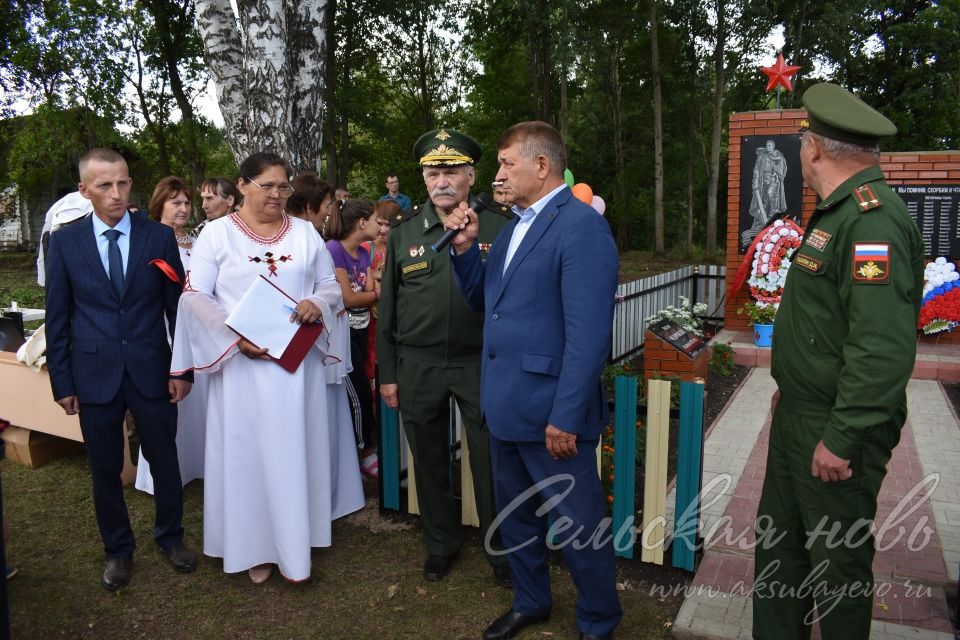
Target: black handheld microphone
{"type": "Point", "coordinates": [478, 203]}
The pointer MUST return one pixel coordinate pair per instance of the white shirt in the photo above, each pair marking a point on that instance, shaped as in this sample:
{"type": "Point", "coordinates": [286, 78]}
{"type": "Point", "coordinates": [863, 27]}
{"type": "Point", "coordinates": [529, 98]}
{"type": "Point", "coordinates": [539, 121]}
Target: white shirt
{"type": "Point", "coordinates": [527, 216]}
{"type": "Point", "coordinates": [123, 240]}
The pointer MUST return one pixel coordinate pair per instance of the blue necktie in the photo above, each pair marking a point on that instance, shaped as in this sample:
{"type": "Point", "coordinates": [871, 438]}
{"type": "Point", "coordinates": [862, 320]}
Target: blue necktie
{"type": "Point", "coordinates": [115, 260]}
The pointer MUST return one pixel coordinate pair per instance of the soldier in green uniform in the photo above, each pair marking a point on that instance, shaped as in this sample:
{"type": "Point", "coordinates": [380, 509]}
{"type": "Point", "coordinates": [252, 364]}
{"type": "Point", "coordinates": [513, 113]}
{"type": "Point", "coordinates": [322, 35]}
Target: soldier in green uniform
{"type": "Point", "coordinates": [429, 346]}
{"type": "Point", "coordinates": [843, 351]}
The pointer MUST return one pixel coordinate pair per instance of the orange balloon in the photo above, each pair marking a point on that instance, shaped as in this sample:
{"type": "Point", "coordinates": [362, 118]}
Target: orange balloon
{"type": "Point", "coordinates": [583, 193]}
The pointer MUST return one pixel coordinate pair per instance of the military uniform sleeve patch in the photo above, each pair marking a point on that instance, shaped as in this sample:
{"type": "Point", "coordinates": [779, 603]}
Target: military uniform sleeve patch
{"type": "Point", "coordinates": [871, 262]}
{"type": "Point", "coordinates": [808, 263]}
{"type": "Point", "coordinates": [866, 198]}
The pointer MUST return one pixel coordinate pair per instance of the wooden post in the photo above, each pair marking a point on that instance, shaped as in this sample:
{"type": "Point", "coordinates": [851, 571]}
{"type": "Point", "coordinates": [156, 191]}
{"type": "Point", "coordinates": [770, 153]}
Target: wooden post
{"type": "Point", "coordinates": [655, 484]}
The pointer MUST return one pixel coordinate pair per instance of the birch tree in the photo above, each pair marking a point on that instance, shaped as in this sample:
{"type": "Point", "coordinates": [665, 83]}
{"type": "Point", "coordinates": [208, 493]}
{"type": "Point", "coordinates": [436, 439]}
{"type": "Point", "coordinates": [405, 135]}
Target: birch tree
{"type": "Point", "coordinates": [267, 64]}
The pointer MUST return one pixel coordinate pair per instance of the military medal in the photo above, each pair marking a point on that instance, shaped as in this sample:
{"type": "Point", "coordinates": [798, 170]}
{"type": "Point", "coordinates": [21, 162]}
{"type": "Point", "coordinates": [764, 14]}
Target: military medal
{"type": "Point", "coordinates": [871, 262]}
{"type": "Point", "coordinates": [420, 251]}
{"type": "Point", "coordinates": [413, 251]}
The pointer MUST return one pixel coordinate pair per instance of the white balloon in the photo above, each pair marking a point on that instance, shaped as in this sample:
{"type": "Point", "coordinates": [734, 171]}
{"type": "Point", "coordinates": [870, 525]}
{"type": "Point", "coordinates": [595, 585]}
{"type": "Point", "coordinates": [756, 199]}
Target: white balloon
{"type": "Point", "coordinates": [599, 204]}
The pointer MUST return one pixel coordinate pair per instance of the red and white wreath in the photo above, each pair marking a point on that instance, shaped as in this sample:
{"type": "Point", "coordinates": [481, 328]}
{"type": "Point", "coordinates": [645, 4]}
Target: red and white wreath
{"type": "Point", "coordinates": [772, 260]}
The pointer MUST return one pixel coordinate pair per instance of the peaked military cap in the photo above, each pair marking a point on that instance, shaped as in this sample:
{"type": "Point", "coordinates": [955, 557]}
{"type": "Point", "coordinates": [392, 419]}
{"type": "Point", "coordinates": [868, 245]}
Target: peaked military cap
{"type": "Point", "coordinates": [834, 112]}
{"type": "Point", "coordinates": [446, 148]}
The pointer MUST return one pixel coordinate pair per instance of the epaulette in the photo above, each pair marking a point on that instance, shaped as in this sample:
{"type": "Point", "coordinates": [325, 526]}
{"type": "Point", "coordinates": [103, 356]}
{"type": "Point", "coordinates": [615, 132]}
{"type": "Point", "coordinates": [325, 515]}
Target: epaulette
{"type": "Point", "coordinates": [866, 198]}
{"type": "Point", "coordinates": [501, 209]}
{"type": "Point", "coordinates": [406, 214]}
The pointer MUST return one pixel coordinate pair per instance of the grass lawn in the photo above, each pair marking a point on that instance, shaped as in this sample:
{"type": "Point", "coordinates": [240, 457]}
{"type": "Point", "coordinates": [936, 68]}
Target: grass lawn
{"type": "Point", "coordinates": [368, 585]}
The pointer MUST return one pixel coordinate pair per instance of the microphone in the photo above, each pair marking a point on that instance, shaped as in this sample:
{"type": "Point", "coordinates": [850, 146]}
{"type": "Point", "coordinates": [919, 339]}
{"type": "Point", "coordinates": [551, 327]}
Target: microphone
{"type": "Point", "coordinates": [478, 203]}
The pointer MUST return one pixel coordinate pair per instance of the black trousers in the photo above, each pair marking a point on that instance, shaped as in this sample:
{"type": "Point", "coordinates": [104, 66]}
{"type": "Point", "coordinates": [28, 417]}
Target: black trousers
{"type": "Point", "coordinates": [102, 427]}
{"type": "Point", "coordinates": [362, 409]}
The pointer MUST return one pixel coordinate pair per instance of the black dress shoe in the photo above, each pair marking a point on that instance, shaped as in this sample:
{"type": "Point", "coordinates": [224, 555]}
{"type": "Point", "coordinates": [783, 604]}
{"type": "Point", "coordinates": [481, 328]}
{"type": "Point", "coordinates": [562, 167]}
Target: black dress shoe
{"type": "Point", "coordinates": [510, 624]}
{"type": "Point", "coordinates": [116, 575]}
{"type": "Point", "coordinates": [592, 636]}
{"type": "Point", "coordinates": [435, 567]}
{"type": "Point", "coordinates": [503, 574]}
{"type": "Point", "coordinates": [181, 557]}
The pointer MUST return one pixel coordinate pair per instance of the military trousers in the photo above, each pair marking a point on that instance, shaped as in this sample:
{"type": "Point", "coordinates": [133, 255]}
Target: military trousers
{"type": "Point", "coordinates": [814, 553]}
{"type": "Point", "coordinates": [425, 391]}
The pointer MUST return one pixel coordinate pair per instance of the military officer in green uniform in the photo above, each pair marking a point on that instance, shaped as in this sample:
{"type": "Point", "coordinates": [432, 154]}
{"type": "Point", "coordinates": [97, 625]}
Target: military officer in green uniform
{"type": "Point", "coordinates": [429, 346]}
{"type": "Point", "coordinates": [843, 351]}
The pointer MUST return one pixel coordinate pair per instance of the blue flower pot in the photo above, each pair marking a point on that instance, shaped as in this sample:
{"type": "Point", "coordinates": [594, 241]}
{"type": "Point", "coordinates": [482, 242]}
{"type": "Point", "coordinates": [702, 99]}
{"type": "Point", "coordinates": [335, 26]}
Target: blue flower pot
{"type": "Point", "coordinates": [763, 335]}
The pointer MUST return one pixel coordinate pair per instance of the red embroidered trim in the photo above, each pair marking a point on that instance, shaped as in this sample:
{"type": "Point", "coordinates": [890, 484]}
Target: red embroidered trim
{"type": "Point", "coordinates": [247, 231]}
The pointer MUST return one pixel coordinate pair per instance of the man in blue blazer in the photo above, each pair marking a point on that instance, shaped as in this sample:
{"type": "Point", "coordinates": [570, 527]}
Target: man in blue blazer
{"type": "Point", "coordinates": [107, 294]}
{"type": "Point", "coordinates": [547, 293]}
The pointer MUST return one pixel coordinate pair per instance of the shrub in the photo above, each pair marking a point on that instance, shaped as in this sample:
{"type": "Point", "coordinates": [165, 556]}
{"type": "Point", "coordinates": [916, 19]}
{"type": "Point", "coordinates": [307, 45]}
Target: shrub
{"type": "Point", "coordinates": [687, 316]}
{"type": "Point", "coordinates": [721, 359]}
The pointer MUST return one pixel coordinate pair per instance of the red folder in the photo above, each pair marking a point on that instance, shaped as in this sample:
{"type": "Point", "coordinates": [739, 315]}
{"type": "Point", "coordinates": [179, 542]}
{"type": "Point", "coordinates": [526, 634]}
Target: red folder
{"type": "Point", "coordinates": [298, 348]}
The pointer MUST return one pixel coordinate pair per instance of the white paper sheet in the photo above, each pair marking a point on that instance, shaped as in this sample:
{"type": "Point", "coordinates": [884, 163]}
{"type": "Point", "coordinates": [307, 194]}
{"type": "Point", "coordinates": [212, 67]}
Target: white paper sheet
{"type": "Point", "coordinates": [263, 317]}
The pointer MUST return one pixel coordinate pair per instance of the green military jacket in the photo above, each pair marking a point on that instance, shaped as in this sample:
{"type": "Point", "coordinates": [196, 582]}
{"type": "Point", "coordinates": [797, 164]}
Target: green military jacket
{"type": "Point", "coordinates": [844, 338]}
{"type": "Point", "coordinates": [422, 315]}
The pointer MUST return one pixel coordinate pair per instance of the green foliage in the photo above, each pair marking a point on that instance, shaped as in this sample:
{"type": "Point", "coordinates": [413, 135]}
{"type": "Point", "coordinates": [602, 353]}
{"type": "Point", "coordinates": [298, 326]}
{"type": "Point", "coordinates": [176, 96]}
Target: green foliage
{"type": "Point", "coordinates": [612, 371]}
{"type": "Point", "coordinates": [721, 359]}
{"type": "Point", "coordinates": [758, 312]}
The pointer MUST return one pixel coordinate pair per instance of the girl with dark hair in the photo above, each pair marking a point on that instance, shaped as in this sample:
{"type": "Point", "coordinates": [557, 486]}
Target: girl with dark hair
{"type": "Point", "coordinates": [348, 229]}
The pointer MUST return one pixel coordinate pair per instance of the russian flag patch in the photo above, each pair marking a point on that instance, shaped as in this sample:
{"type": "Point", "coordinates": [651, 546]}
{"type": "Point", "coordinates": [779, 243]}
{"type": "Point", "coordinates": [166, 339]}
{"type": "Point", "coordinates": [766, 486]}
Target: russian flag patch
{"type": "Point", "coordinates": [871, 262]}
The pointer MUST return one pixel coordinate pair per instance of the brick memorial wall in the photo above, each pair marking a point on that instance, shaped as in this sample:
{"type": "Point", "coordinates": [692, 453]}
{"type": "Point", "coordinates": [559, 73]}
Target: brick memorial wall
{"type": "Point", "coordinates": [901, 168]}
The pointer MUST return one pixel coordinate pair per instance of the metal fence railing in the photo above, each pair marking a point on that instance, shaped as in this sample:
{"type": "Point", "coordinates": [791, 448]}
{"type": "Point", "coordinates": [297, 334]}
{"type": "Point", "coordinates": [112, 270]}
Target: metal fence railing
{"type": "Point", "coordinates": [642, 298]}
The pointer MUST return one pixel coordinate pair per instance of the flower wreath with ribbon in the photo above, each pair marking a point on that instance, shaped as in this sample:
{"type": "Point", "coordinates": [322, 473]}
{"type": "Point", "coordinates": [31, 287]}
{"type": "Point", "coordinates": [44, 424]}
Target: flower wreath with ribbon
{"type": "Point", "coordinates": [770, 262]}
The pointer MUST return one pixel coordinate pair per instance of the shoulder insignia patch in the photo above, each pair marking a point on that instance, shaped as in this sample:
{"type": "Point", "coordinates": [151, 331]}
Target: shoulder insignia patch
{"type": "Point", "coordinates": [871, 263]}
{"type": "Point", "coordinates": [501, 209]}
{"type": "Point", "coordinates": [404, 215]}
{"type": "Point", "coordinates": [808, 263]}
{"type": "Point", "coordinates": [866, 198]}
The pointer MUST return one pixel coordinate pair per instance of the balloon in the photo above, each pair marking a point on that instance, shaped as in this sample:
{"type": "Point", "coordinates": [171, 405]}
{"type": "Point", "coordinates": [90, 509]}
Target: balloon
{"type": "Point", "coordinates": [583, 192]}
{"type": "Point", "coordinates": [568, 177]}
{"type": "Point", "coordinates": [599, 204]}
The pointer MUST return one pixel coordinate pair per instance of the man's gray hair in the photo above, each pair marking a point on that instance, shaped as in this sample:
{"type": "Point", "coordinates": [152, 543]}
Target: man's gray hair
{"type": "Point", "coordinates": [537, 139]}
{"type": "Point", "coordinates": [839, 150]}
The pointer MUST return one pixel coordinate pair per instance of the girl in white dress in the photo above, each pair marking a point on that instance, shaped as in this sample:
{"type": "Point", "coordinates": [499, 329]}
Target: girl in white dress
{"type": "Point", "coordinates": [277, 471]}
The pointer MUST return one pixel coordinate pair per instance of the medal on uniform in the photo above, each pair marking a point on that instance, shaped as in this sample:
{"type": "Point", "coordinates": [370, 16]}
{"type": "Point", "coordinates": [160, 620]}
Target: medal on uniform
{"type": "Point", "coordinates": [420, 251]}
{"type": "Point", "coordinates": [413, 251]}
{"type": "Point", "coordinates": [871, 262]}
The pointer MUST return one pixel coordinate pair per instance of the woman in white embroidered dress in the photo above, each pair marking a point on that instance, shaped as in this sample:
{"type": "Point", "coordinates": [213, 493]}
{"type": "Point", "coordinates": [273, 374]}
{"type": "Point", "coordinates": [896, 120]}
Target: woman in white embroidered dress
{"type": "Point", "coordinates": [170, 205]}
{"type": "Point", "coordinates": [277, 473]}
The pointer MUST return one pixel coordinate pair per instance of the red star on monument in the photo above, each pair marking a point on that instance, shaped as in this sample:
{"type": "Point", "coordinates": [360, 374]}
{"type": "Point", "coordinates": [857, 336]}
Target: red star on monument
{"type": "Point", "coordinates": [779, 73]}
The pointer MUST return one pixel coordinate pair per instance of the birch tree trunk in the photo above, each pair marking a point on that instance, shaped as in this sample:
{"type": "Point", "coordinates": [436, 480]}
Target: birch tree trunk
{"type": "Point", "coordinates": [268, 74]}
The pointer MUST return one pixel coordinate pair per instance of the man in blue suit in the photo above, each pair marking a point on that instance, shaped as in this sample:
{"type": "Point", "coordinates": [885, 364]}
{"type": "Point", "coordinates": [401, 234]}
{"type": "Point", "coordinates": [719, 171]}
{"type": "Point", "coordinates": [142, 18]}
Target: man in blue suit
{"type": "Point", "coordinates": [547, 293]}
{"type": "Point", "coordinates": [107, 352]}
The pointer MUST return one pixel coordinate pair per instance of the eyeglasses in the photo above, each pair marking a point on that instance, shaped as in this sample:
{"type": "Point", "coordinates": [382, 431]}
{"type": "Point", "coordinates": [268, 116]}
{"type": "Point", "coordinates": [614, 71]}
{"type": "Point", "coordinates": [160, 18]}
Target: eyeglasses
{"type": "Point", "coordinates": [281, 189]}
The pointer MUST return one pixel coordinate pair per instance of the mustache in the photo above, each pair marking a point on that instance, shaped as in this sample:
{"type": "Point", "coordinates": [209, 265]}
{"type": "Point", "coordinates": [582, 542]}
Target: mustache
{"type": "Point", "coordinates": [443, 191]}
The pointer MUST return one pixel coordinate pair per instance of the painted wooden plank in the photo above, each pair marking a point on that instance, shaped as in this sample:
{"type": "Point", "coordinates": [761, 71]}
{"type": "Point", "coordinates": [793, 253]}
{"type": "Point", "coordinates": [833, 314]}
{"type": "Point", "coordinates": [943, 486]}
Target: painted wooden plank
{"type": "Point", "coordinates": [655, 483]}
{"type": "Point", "coordinates": [624, 461]}
{"type": "Point", "coordinates": [389, 457]}
{"type": "Point", "coordinates": [689, 474]}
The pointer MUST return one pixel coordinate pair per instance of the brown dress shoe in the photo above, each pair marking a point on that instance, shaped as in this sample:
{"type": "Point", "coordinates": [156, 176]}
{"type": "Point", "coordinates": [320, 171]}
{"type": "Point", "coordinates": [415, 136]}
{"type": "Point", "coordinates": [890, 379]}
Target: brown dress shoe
{"type": "Point", "coordinates": [116, 575]}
